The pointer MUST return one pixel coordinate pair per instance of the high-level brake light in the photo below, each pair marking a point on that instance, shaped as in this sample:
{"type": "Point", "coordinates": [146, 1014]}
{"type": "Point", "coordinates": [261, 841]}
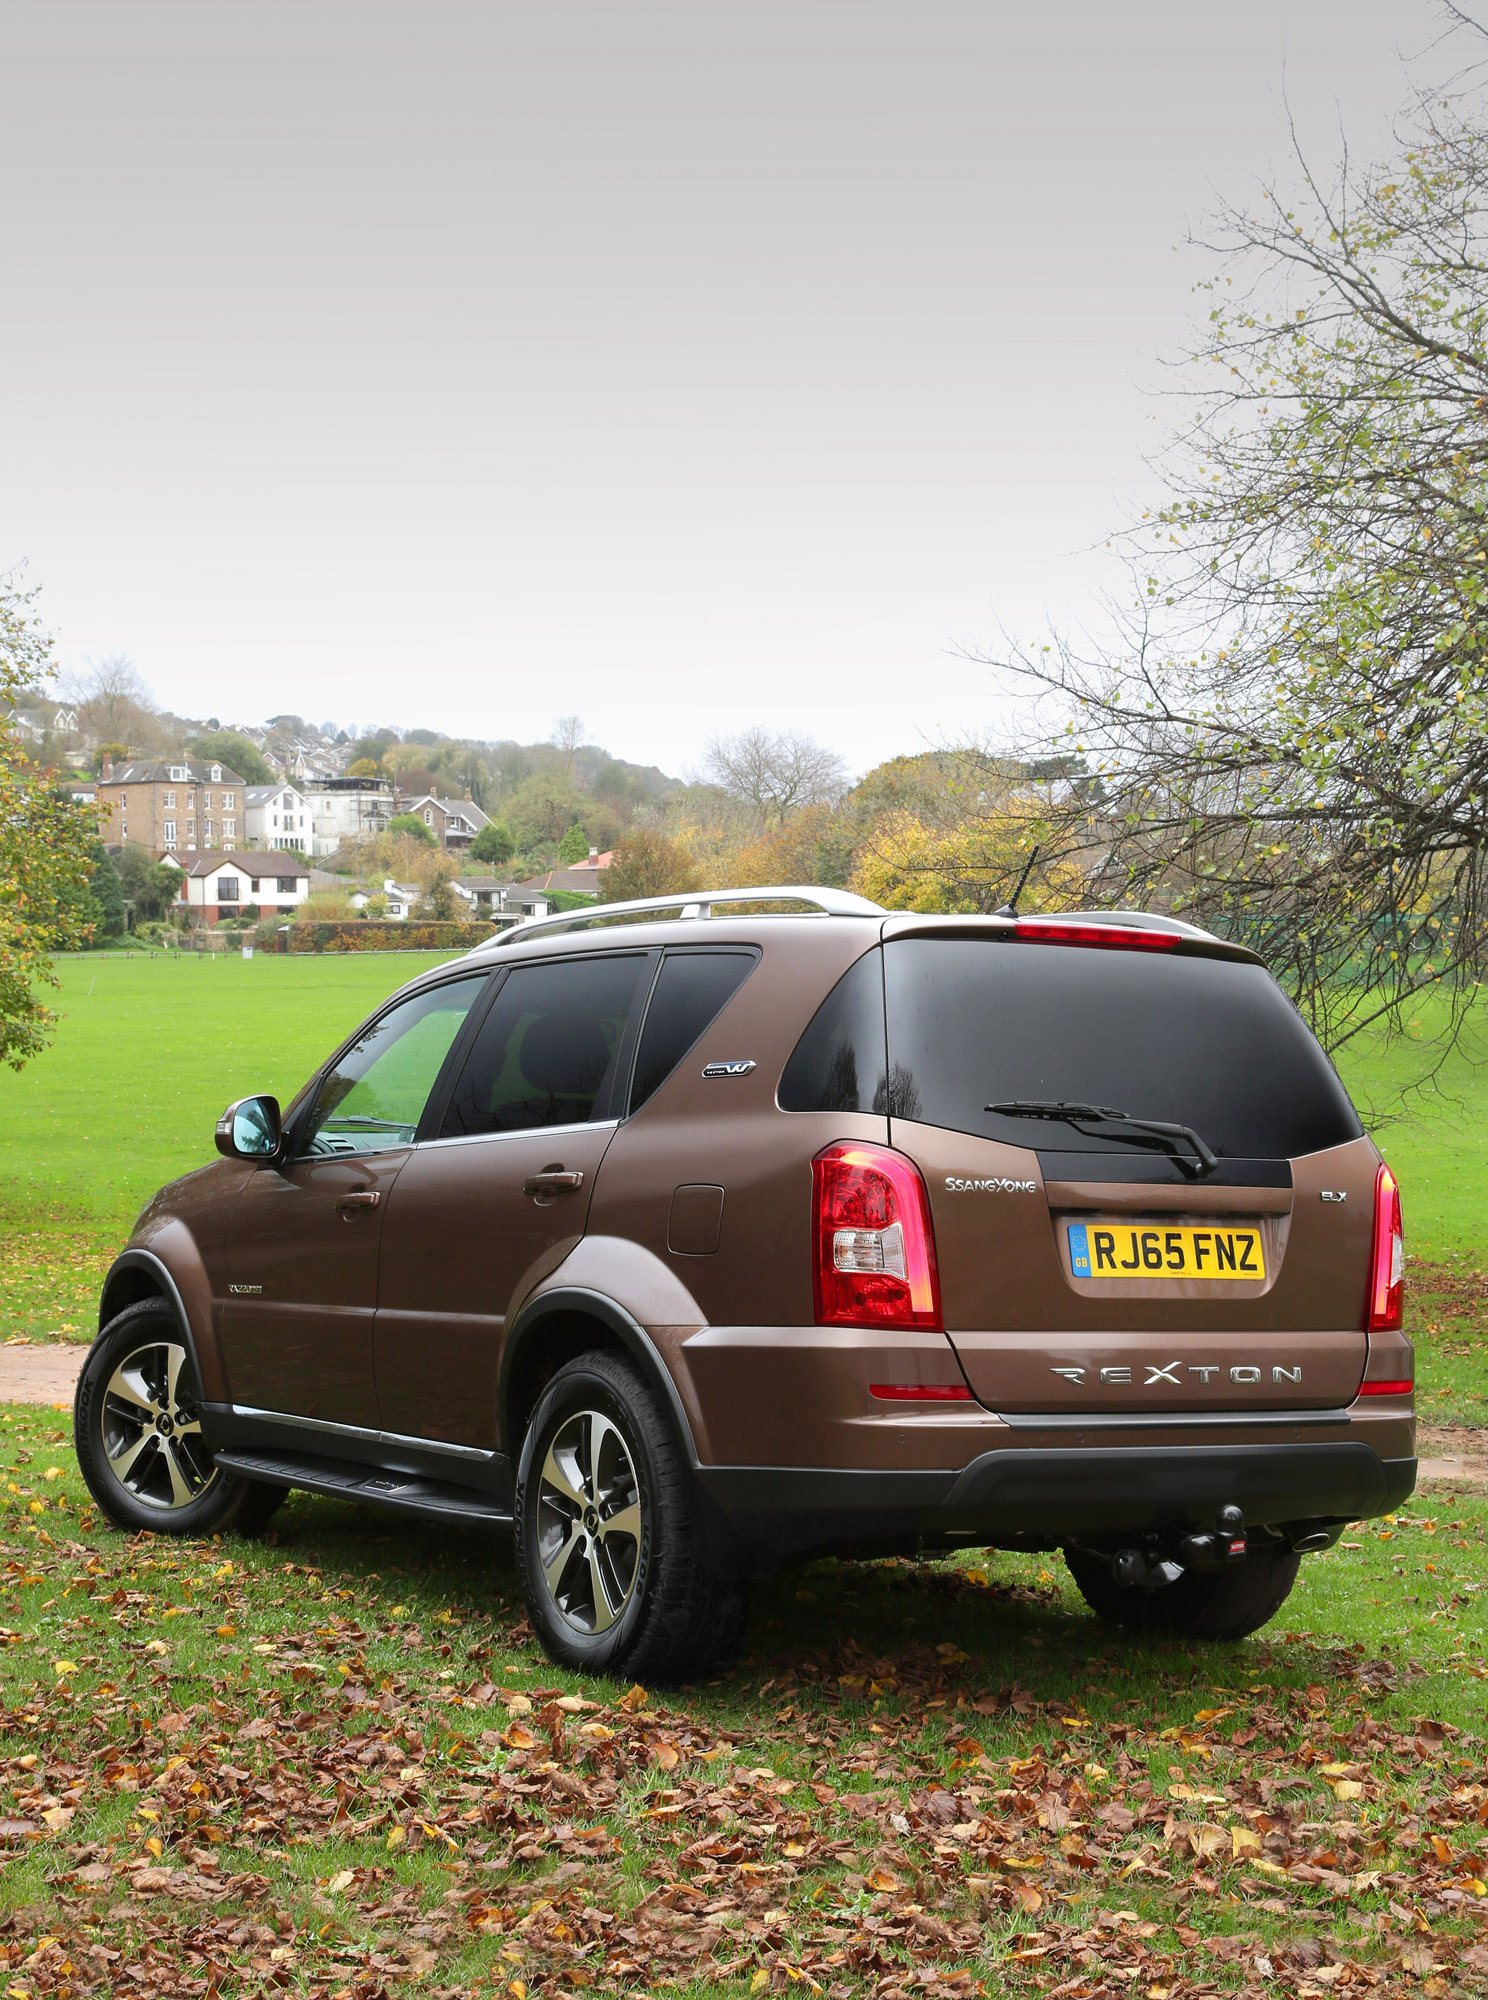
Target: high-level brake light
{"type": "Point", "coordinates": [1111, 937]}
{"type": "Point", "coordinates": [875, 1250]}
{"type": "Point", "coordinates": [1386, 1309]}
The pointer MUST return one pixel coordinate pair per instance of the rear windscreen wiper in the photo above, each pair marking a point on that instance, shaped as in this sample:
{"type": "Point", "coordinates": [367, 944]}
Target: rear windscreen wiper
{"type": "Point", "coordinates": [1166, 1136]}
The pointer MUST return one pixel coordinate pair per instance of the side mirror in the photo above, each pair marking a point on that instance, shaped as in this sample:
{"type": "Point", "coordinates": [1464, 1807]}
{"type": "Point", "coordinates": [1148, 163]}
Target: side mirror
{"type": "Point", "coordinates": [249, 1129]}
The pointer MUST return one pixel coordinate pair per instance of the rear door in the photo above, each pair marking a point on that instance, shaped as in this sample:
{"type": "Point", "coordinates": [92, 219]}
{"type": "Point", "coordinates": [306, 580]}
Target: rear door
{"type": "Point", "coordinates": [1088, 1266]}
{"type": "Point", "coordinates": [500, 1195]}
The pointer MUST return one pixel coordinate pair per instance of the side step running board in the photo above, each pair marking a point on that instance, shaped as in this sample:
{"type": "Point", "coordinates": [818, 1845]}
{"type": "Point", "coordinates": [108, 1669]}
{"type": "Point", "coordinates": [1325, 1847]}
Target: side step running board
{"type": "Point", "coordinates": [344, 1481]}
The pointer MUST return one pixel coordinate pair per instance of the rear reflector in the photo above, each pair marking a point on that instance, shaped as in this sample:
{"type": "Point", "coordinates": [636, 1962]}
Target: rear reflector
{"type": "Point", "coordinates": [920, 1392]}
{"type": "Point", "coordinates": [875, 1252]}
{"type": "Point", "coordinates": [1386, 1308]}
{"type": "Point", "coordinates": [1386, 1388]}
{"type": "Point", "coordinates": [1109, 937]}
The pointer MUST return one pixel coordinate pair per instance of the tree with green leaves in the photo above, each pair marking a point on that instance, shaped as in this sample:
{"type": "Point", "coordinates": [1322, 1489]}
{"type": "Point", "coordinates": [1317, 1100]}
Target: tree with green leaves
{"type": "Point", "coordinates": [493, 844]}
{"type": "Point", "coordinates": [232, 748]}
{"type": "Point", "coordinates": [151, 886]}
{"type": "Point", "coordinates": [410, 825]}
{"type": "Point", "coordinates": [45, 843]}
{"type": "Point", "coordinates": [1291, 725]}
{"type": "Point", "coordinates": [574, 845]}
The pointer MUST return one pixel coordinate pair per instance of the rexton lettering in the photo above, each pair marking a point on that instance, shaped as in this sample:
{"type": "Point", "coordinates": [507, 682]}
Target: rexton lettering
{"type": "Point", "coordinates": [956, 1185]}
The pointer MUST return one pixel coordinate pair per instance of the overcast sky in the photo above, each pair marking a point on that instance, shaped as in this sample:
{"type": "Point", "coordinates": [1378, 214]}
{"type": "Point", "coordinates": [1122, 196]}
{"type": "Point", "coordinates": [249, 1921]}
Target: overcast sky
{"type": "Point", "coordinates": [678, 364]}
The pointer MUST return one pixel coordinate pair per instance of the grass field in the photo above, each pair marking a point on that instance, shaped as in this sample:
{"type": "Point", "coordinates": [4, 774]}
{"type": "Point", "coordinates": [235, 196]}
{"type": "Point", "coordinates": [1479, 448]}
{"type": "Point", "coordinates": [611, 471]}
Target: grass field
{"type": "Point", "coordinates": [334, 1763]}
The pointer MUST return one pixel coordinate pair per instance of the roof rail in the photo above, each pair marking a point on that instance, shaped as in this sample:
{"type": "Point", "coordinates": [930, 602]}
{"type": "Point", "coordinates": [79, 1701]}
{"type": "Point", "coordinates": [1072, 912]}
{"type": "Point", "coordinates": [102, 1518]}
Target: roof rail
{"type": "Point", "coordinates": [695, 903]}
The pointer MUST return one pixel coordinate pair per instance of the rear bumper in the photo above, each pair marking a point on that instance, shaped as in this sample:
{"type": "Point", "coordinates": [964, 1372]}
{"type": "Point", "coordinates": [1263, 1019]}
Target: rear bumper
{"type": "Point", "coordinates": [1048, 1494]}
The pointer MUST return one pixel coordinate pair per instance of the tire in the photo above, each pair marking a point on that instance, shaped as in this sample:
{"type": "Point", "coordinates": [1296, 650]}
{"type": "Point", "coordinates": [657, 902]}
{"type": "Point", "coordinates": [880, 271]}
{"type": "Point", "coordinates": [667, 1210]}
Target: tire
{"type": "Point", "coordinates": [136, 1424]}
{"type": "Point", "coordinates": [1203, 1604]}
{"type": "Point", "coordinates": [616, 1572]}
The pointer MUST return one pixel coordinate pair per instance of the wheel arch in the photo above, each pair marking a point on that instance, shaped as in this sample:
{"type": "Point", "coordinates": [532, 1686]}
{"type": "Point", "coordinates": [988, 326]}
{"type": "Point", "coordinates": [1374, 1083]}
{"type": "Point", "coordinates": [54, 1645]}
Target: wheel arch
{"type": "Point", "coordinates": [136, 1276]}
{"type": "Point", "coordinates": [559, 1325]}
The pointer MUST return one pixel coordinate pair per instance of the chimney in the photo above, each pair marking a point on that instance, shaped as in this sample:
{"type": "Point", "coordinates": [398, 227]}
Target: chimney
{"type": "Point", "coordinates": [108, 769]}
{"type": "Point", "coordinates": [594, 854]}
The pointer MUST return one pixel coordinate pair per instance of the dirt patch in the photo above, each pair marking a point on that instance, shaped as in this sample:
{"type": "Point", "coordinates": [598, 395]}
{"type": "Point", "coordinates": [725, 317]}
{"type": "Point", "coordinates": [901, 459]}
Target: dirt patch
{"type": "Point", "coordinates": [1452, 1454]}
{"type": "Point", "coordinates": [39, 1372]}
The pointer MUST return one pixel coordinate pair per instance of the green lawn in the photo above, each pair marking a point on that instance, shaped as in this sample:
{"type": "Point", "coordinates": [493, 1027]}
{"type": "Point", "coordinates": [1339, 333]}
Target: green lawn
{"type": "Point", "coordinates": [147, 1053]}
{"type": "Point", "coordinates": [334, 1763]}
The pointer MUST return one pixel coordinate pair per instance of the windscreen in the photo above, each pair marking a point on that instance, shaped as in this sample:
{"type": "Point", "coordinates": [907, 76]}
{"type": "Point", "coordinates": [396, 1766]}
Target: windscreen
{"type": "Point", "coordinates": [1210, 1043]}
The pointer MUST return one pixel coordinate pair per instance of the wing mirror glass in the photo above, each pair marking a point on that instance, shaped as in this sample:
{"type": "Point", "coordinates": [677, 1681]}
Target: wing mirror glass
{"type": "Point", "coordinates": [249, 1129]}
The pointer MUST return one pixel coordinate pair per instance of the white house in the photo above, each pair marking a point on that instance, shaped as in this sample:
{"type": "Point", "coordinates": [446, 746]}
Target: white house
{"type": "Point", "coordinates": [214, 886]}
{"type": "Point", "coordinates": [501, 901]}
{"type": "Point", "coordinates": [345, 809]}
{"type": "Point", "coordinates": [401, 897]}
{"type": "Point", "coordinates": [276, 816]}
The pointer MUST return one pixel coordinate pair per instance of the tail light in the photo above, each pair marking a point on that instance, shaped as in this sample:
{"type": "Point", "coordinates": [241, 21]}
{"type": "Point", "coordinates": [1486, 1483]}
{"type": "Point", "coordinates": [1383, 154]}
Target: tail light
{"type": "Point", "coordinates": [1387, 1261]}
{"type": "Point", "coordinates": [1111, 937]}
{"type": "Point", "coordinates": [875, 1251]}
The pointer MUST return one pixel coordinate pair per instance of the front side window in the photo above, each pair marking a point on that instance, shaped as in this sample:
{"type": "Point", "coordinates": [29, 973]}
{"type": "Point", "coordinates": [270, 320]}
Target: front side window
{"type": "Point", "coordinates": [170, 799]}
{"type": "Point", "coordinates": [549, 1049]}
{"type": "Point", "coordinates": [285, 885]}
{"type": "Point", "coordinates": [169, 832]}
{"type": "Point", "coordinates": [692, 989]}
{"type": "Point", "coordinates": [374, 1094]}
{"type": "Point", "coordinates": [228, 802]}
{"type": "Point", "coordinates": [227, 888]}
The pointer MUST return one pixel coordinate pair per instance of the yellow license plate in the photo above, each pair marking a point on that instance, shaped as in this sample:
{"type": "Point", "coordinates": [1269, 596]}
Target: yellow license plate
{"type": "Point", "coordinates": [1182, 1250]}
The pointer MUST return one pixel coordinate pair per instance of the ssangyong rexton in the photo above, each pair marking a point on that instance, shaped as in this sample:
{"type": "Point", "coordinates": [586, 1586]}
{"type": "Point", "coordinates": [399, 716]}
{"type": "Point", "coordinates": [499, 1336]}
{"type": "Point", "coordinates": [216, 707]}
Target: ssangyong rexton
{"type": "Point", "coordinates": [688, 1237]}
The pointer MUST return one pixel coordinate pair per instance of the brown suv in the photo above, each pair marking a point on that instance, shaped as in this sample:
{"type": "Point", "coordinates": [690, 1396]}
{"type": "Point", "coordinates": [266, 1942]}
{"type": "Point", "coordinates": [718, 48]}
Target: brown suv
{"type": "Point", "coordinates": [688, 1236]}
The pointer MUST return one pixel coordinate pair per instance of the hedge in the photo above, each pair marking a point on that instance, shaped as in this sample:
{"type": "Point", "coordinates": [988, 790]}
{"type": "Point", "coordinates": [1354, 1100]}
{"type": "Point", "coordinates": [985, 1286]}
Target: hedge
{"type": "Point", "coordinates": [361, 934]}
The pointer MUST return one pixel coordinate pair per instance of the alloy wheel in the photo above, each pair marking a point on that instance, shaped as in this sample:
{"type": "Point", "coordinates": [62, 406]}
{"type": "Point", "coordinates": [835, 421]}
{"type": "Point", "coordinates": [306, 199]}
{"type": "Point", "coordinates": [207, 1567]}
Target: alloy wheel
{"type": "Point", "coordinates": [151, 1428]}
{"type": "Point", "coordinates": [589, 1522]}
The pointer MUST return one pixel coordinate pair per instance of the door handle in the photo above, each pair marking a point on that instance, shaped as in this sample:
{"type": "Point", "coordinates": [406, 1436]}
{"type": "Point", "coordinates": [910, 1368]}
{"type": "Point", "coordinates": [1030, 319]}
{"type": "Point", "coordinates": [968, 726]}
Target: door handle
{"type": "Point", "coordinates": [553, 1180]}
{"type": "Point", "coordinates": [360, 1198]}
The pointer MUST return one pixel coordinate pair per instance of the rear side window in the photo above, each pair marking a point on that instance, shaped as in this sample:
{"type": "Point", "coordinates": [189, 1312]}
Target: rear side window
{"type": "Point", "coordinates": [692, 989]}
{"type": "Point", "coordinates": [841, 1062]}
{"type": "Point", "coordinates": [1204, 1042]}
{"type": "Point", "coordinates": [548, 1051]}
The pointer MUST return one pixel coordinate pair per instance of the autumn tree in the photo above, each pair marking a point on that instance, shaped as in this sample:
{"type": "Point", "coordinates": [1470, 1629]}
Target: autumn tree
{"type": "Point", "coordinates": [774, 774]}
{"type": "Point", "coordinates": [112, 700]}
{"type": "Point", "coordinates": [46, 845]}
{"type": "Point", "coordinates": [648, 864]}
{"type": "Point", "coordinates": [1291, 721]}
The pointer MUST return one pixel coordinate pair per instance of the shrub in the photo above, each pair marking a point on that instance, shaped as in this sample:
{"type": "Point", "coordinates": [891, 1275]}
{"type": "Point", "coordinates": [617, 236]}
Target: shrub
{"type": "Point", "coordinates": [358, 935]}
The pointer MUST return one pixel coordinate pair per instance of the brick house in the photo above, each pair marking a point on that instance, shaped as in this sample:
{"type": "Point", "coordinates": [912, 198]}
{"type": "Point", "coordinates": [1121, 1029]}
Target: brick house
{"type": "Point", "coordinates": [214, 886]}
{"type": "Point", "coordinates": [453, 822]}
{"type": "Point", "coordinates": [171, 805]}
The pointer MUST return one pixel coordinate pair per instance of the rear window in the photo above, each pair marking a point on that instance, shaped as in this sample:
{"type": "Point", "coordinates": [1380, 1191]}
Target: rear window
{"type": "Point", "coordinates": [692, 989]}
{"type": "Point", "coordinates": [1205, 1042]}
{"type": "Point", "coordinates": [841, 1062]}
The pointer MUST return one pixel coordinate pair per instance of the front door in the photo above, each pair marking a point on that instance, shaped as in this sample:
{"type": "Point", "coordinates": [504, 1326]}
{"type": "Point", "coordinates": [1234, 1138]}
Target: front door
{"type": "Point", "coordinates": [297, 1324]}
{"type": "Point", "coordinates": [500, 1195]}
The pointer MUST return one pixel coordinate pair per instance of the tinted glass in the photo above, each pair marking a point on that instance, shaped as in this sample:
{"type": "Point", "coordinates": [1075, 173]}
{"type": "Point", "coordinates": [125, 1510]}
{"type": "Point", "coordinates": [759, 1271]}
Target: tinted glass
{"type": "Point", "coordinates": [547, 1051]}
{"type": "Point", "coordinates": [1202, 1042]}
{"type": "Point", "coordinates": [692, 989]}
{"type": "Point", "coordinates": [374, 1095]}
{"type": "Point", "coordinates": [841, 1063]}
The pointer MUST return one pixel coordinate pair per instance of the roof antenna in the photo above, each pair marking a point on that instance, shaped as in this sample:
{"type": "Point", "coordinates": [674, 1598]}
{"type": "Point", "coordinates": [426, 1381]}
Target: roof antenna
{"type": "Point", "coordinates": [1010, 907]}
